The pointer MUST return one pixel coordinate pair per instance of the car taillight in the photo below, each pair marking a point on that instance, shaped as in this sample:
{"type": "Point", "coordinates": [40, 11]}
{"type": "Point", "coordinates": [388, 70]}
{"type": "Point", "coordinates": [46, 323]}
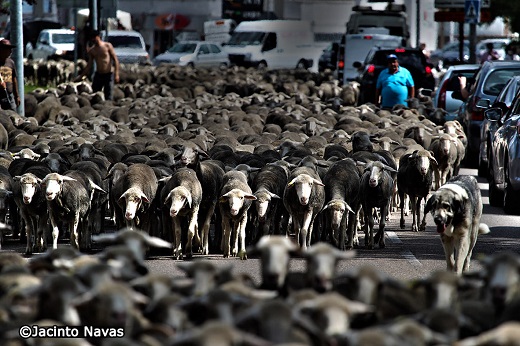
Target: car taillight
{"type": "Point", "coordinates": [341, 64]}
{"type": "Point", "coordinates": [428, 70]}
{"type": "Point", "coordinates": [367, 37]}
{"type": "Point", "coordinates": [442, 94]}
{"type": "Point", "coordinates": [371, 69]}
{"type": "Point", "coordinates": [400, 50]}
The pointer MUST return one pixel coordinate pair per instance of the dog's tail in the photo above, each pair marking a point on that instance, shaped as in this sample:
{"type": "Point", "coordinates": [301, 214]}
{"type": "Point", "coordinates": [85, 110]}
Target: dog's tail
{"type": "Point", "coordinates": [483, 229]}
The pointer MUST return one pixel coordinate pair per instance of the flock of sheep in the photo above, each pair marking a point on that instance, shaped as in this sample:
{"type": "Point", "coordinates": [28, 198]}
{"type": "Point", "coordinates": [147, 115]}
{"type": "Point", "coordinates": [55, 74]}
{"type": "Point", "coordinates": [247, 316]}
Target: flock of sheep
{"type": "Point", "coordinates": [215, 161]}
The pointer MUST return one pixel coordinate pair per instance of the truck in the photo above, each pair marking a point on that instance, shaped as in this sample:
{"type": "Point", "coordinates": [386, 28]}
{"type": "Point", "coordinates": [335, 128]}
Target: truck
{"type": "Point", "coordinates": [52, 44]}
{"type": "Point", "coordinates": [274, 44]}
{"type": "Point", "coordinates": [219, 30]}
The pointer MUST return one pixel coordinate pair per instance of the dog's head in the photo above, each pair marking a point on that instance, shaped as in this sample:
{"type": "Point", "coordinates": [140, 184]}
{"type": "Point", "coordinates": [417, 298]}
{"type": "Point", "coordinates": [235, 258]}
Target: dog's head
{"type": "Point", "coordinates": [446, 205]}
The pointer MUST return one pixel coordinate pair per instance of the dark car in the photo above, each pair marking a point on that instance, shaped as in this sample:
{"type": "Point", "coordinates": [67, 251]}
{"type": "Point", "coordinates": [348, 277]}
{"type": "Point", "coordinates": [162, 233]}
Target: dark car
{"type": "Point", "coordinates": [411, 58]}
{"type": "Point", "coordinates": [328, 59]}
{"type": "Point", "coordinates": [489, 81]}
{"type": "Point", "coordinates": [504, 158]}
{"type": "Point", "coordinates": [489, 127]}
{"type": "Point", "coordinates": [450, 55]}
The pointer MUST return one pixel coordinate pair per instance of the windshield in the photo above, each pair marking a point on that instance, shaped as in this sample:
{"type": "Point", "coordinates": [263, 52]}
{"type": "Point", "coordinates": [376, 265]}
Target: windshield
{"type": "Point", "coordinates": [125, 41]}
{"type": "Point", "coordinates": [183, 48]}
{"type": "Point", "coordinates": [497, 79]}
{"type": "Point", "coordinates": [247, 38]}
{"type": "Point", "coordinates": [63, 38]}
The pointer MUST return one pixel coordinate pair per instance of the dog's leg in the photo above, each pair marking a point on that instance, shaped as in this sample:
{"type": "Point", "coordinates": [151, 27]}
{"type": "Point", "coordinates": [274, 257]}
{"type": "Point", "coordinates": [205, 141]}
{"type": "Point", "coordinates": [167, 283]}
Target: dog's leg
{"type": "Point", "coordinates": [447, 244]}
{"type": "Point", "coordinates": [461, 253]}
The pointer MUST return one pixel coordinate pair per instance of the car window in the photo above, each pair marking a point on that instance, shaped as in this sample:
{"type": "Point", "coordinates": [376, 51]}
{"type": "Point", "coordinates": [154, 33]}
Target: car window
{"type": "Point", "coordinates": [187, 48]}
{"type": "Point", "coordinates": [63, 38]}
{"type": "Point", "coordinates": [408, 58]}
{"type": "Point", "coordinates": [214, 49]}
{"type": "Point", "coordinates": [497, 79]}
{"type": "Point", "coordinates": [204, 49]}
{"type": "Point", "coordinates": [125, 41]}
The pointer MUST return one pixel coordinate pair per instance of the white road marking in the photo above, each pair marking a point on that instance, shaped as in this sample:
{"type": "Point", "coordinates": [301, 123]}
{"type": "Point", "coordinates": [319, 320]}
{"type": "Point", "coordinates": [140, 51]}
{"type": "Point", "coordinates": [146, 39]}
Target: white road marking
{"type": "Point", "coordinates": [407, 254]}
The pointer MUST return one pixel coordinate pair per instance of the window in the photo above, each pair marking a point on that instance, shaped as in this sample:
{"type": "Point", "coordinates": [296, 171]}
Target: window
{"type": "Point", "coordinates": [204, 49]}
{"type": "Point", "coordinates": [270, 42]}
{"type": "Point", "coordinates": [125, 41]}
{"type": "Point", "coordinates": [497, 79]}
{"type": "Point", "coordinates": [63, 38]}
{"type": "Point", "coordinates": [214, 49]}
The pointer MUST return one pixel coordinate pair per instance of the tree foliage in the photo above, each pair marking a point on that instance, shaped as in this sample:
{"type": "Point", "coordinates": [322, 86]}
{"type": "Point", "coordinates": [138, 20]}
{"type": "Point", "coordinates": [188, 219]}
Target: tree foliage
{"type": "Point", "coordinates": [507, 9]}
{"type": "Point", "coordinates": [5, 5]}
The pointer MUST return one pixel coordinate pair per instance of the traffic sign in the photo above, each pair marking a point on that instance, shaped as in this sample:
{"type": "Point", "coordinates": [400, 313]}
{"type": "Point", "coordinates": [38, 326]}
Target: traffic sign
{"type": "Point", "coordinates": [472, 11]}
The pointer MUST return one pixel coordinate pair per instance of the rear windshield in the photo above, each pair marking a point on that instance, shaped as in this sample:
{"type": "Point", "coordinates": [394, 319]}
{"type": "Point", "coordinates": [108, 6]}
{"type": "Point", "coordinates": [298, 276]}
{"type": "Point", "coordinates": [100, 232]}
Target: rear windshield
{"type": "Point", "coordinates": [410, 58]}
{"type": "Point", "coordinates": [63, 38]}
{"type": "Point", "coordinates": [497, 79]}
{"type": "Point", "coordinates": [125, 41]}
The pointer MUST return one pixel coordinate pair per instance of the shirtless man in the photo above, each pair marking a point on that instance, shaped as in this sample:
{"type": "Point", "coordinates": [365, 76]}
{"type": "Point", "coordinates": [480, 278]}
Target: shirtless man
{"type": "Point", "coordinates": [103, 54]}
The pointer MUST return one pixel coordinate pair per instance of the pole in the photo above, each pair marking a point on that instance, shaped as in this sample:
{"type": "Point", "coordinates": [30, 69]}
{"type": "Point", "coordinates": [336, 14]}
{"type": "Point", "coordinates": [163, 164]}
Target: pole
{"type": "Point", "coordinates": [472, 43]}
{"type": "Point", "coordinates": [17, 36]}
{"type": "Point", "coordinates": [461, 42]}
{"type": "Point", "coordinates": [418, 24]}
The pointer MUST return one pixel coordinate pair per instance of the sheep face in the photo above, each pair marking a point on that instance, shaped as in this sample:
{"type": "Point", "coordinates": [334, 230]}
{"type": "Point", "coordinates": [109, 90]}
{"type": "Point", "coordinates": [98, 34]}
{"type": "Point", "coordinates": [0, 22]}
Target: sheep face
{"type": "Point", "coordinates": [423, 164]}
{"type": "Point", "coordinates": [235, 198]}
{"type": "Point", "coordinates": [53, 184]}
{"type": "Point", "coordinates": [445, 145]}
{"type": "Point", "coordinates": [134, 198]}
{"type": "Point", "coordinates": [375, 172]}
{"type": "Point", "coordinates": [303, 185]}
{"type": "Point", "coordinates": [28, 186]}
{"type": "Point", "coordinates": [504, 279]}
{"type": "Point", "coordinates": [336, 209]}
{"type": "Point", "coordinates": [263, 198]}
{"type": "Point", "coordinates": [180, 197]}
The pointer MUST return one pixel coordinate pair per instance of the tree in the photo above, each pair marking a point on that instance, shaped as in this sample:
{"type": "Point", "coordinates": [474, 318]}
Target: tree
{"type": "Point", "coordinates": [6, 5]}
{"type": "Point", "coordinates": [507, 9]}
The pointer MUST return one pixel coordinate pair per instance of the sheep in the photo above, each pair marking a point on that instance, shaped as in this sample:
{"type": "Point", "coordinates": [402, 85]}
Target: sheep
{"type": "Point", "coordinates": [269, 184]}
{"type": "Point", "coordinates": [414, 178]}
{"type": "Point", "coordinates": [68, 197]}
{"type": "Point", "coordinates": [234, 202]}
{"type": "Point", "coordinates": [342, 183]}
{"type": "Point", "coordinates": [304, 197]}
{"type": "Point", "coordinates": [32, 206]}
{"type": "Point", "coordinates": [183, 194]}
{"type": "Point", "coordinates": [134, 192]}
{"type": "Point", "coordinates": [376, 188]}
{"type": "Point", "coordinates": [445, 152]}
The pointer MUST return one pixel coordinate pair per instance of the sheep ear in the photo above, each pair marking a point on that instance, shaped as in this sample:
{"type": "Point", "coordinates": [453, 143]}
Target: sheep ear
{"type": "Point", "coordinates": [390, 169]}
{"type": "Point", "coordinates": [349, 208]}
{"type": "Point", "coordinates": [273, 195]}
{"type": "Point", "coordinates": [96, 187]}
{"type": "Point", "coordinates": [250, 196]}
{"type": "Point", "coordinates": [291, 183]}
{"type": "Point", "coordinates": [17, 178]}
{"type": "Point", "coordinates": [169, 196]}
{"type": "Point", "coordinates": [317, 182]}
{"type": "Point", "coordinates": [144, 199]}
{"type": "Point", "coordinates": [67, 178]}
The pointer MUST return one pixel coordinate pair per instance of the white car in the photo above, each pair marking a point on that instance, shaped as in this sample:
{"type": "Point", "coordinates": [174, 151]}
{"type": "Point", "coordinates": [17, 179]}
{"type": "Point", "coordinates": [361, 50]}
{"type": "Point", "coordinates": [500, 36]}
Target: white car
{"type": "Point", "coordinates": [53, 44]}
{"type": "Point", "coordinates": [129, 46]}
{"type": "Point", "coordinates": [194, 54]}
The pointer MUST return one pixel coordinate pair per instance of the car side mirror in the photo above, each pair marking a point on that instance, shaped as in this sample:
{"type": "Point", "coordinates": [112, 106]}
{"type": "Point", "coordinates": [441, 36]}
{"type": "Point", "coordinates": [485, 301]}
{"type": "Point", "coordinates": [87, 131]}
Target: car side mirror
{"type": "Point", "coordinates": [493, 114]}
{"type": "Point", "coordinates": [357, 65]}
{"type": "Point", "coordinates": [44, 42]}
{"type": "Point", "coordinates": [426, 92]}
{"type": "Point", "coordinates": [483, 104]}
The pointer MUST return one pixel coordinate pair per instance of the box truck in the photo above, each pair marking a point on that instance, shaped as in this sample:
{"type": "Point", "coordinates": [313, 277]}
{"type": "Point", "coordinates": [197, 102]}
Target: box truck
{"type": "Point", "coordinates": [274, 44]}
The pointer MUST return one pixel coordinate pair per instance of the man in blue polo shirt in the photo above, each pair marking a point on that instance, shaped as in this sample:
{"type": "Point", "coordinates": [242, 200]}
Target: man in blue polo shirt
{"type": "Point", "coordinates": [394, 85]}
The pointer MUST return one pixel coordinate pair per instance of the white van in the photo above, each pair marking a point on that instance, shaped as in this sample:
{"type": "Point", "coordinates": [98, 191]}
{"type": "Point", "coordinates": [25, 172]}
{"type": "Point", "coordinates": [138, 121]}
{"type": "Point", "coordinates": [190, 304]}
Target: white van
{"type": "Point", "coordinates": [274, 44]}
{"type": "Point", "coordinates": [129, 46]}
{"type": "Point", "coordinates": [52, 44]}
{"type": "Point", "coordinates": [219, 30]}
{"type": "Point", "coordinates": [354, 48]}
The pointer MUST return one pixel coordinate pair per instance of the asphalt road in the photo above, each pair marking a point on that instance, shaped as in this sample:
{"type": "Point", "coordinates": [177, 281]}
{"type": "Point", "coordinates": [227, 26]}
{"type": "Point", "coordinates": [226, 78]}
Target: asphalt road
{"type": "Point", "coordinates": [408, 255]}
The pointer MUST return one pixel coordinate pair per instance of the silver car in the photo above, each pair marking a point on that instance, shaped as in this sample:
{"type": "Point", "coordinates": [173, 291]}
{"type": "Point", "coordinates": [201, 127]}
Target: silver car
{"type": "Point", "coordinates": [194, 53]}
{"type": "Point", "coordinates": [128, 45]}
{"type": "Point", "coordinates": [450, 83]}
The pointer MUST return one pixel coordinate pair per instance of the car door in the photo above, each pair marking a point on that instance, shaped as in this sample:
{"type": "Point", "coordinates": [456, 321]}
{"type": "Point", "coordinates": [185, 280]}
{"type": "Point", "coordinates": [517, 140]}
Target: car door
{"type": "Point", "coordinates": [218, 57]}
{"type": "Point", "coordinates": [42, 48]}
{"type": "Point", "coordinates": [204, 56]}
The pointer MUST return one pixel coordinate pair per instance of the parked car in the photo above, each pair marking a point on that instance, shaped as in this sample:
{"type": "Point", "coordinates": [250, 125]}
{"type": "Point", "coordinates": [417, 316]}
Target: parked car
{"type": "Point", "coordinates": [129, 46]}
{"type": "Point", "coordinates": [52, 44]}
{"type": "Point", "coordinates": [328, 59]}
{"type": "Point", "coordinates": [449, 55]}
{"type": "Point", "coordinates": [489, 81]}
{"type": "Point", "coordinates": [411, 58]}
{"type": "Point", "coordinates": [449, 84]}
{"type": "Point", "coordinates": [504, 159]}
{"type": "Point", "coordinates": [499, 44]}
{"type": "Point", "coordinates": [489, 127]}
{"type": "Point", "coordinates": [194, 53]}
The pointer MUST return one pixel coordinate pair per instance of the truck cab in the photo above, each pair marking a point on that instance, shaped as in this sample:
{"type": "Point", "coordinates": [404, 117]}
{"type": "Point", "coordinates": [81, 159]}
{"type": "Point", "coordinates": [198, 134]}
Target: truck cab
{"type": "Point", "coordinates": [53, 44]}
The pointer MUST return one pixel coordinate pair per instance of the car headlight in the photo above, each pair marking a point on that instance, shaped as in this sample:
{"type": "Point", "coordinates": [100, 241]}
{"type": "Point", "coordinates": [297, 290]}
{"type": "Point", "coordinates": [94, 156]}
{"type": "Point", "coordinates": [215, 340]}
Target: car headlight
{"type": "Point", "coordinates": [60, 52]}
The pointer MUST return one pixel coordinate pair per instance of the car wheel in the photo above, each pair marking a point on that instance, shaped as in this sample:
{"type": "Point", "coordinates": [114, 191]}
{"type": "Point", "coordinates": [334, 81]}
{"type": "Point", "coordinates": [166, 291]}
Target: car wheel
{"type": "Point", "coordinates": [262, 65]}
{"type": "Point", "coordinates": [496, 197]}
{"type": "Point", "coordinates": [190, 65]}
{"type": "Point", "coordinates": [223, 65]}
{"type": "Point", "coordinates": [511, 197]}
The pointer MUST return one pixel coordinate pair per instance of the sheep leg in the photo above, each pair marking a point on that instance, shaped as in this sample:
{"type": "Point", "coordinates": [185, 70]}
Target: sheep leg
{"type": "Point", "coordinates": [296, 229]}
{"type": "Point", "coordinates": [55, 231]}
{"type": "Point", "coordinates": [241, 230]}
{"type": "Point", "coordinates": [73, 230]}
{"type": "Point", "coordinates": [438, 178]}
{"type": "Point", "coordinates": [28, 232]}
{"type": "Point", "coordinates": [402, 200]}
{"type": "Point", "coordinates": [414, 213]}
{"type": "Point", "coordinates": [192, 232]}
{"type": "Point", "coordinates": [369, 230]}
{"type": "Point", "coordinates": [205, 230]}
{"type": "Point", "coordinates": [380, 236]}
{"type": "Point", "coordinates": [422, 227]}
{"type": "Point", "coordinates": [226, 237]}
{"type": "Point", "coordinates": [306, 229]}
{"type": "Point", "coordinates": [177, 249]}
{"type": "Point", "coordinates": [85, 233]}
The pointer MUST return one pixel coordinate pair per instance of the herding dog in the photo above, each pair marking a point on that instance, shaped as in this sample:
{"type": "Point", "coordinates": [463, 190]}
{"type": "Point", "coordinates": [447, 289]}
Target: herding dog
{"type": "Point", "coordinates": [456, 208]}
